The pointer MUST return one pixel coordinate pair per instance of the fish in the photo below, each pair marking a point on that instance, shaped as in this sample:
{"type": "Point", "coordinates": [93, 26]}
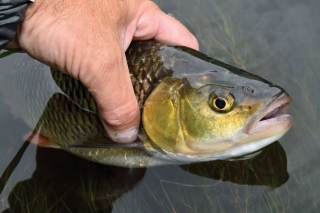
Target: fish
{"type": "Point", "coordinates": [193, 108]}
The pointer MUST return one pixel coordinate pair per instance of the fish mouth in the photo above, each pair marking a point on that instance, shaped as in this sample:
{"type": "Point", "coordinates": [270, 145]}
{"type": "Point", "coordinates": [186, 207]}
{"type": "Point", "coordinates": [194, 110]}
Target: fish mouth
{"type": "Point", "coordinates": [273, 119]}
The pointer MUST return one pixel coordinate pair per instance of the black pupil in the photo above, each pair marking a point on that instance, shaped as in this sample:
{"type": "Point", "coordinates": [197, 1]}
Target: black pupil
{"type": "Point", "coordinates": [220, 103]}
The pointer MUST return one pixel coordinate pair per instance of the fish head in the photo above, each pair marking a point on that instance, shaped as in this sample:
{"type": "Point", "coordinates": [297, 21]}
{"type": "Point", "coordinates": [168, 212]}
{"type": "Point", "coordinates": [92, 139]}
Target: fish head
{"type": "Point", "coordinates": [217, 114]}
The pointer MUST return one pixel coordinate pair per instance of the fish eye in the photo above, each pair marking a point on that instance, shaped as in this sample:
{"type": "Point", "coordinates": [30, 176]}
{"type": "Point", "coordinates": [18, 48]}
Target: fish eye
{"type": "Point", "coordinates": [220, 103]}
{"type": "Point", "coordinates": [221, 100]}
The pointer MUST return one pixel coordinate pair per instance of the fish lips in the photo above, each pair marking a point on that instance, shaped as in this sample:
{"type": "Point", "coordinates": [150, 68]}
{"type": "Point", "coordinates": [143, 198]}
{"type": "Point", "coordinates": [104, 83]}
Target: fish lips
{"type": "Point", "coordinates": [273, 119]}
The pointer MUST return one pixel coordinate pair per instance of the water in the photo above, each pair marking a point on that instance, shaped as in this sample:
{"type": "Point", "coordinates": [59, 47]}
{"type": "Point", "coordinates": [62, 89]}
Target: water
{"type": "Point", "coordinates": [278, 40]}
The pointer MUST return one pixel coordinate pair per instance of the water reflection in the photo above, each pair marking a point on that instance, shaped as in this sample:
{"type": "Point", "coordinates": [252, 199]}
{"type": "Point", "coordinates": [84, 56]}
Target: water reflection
{"type": "Point", "coordinates": [63, 182]}
{"type": "Point", "coordinates": [268, 168]}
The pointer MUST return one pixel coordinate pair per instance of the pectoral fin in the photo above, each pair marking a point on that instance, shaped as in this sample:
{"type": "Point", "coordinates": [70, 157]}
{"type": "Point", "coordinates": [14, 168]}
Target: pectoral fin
{"type": "Point", "coordinates": [40, 140]}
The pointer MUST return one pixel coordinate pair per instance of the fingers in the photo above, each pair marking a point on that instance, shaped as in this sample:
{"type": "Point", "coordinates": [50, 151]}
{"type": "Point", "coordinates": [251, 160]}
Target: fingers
{"type": "Point", "coordinates": [114, 93]}
{"type": "Point", "coordinates": [90, 51]}
{"type": "Point", "coordinates": [112, 89]}
{"type": "Point", "coordinates": [170, 30]}
{"type": "Point", "coordinates": [153, 23]}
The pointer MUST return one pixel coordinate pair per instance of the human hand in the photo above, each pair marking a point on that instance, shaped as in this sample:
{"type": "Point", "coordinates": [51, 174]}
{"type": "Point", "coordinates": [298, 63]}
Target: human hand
{"type": "Point", "coordinates": [88, 40]}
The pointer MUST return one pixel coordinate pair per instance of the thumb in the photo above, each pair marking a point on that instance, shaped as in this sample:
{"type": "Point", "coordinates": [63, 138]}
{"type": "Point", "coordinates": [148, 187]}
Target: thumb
{"type": "Point", "coordinates": [112, 89]}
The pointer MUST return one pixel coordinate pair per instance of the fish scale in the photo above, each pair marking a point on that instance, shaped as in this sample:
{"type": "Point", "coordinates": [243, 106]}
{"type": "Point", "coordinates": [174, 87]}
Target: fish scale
{"type": "Point", "coordinates": [146, 68]}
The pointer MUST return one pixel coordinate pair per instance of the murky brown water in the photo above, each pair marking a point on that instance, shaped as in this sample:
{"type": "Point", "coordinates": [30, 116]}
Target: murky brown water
{"type": "Point", "coordinates": [278, 40]}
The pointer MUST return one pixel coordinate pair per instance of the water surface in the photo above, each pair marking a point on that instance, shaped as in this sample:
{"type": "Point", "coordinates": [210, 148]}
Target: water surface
{"type": "Point", "coordinates": [278, 40]}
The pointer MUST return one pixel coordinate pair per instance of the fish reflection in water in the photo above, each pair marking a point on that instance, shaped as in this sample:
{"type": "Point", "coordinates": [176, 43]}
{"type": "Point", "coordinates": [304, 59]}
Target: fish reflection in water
{"type": "Point", "coordinates": [63, 182]}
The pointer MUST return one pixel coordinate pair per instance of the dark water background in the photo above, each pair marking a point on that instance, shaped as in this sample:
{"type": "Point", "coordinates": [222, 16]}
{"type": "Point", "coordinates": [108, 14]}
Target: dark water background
{"type": "Point", "coordinates": [278, 40]}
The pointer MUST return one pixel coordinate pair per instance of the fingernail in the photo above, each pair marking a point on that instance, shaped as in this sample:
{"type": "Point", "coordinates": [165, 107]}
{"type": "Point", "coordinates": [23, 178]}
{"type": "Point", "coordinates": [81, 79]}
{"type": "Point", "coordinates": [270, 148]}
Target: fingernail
{"type": "Point", "coordinates": [125, 136]}
{"type": "Point", "coordinates": [170, 14]}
